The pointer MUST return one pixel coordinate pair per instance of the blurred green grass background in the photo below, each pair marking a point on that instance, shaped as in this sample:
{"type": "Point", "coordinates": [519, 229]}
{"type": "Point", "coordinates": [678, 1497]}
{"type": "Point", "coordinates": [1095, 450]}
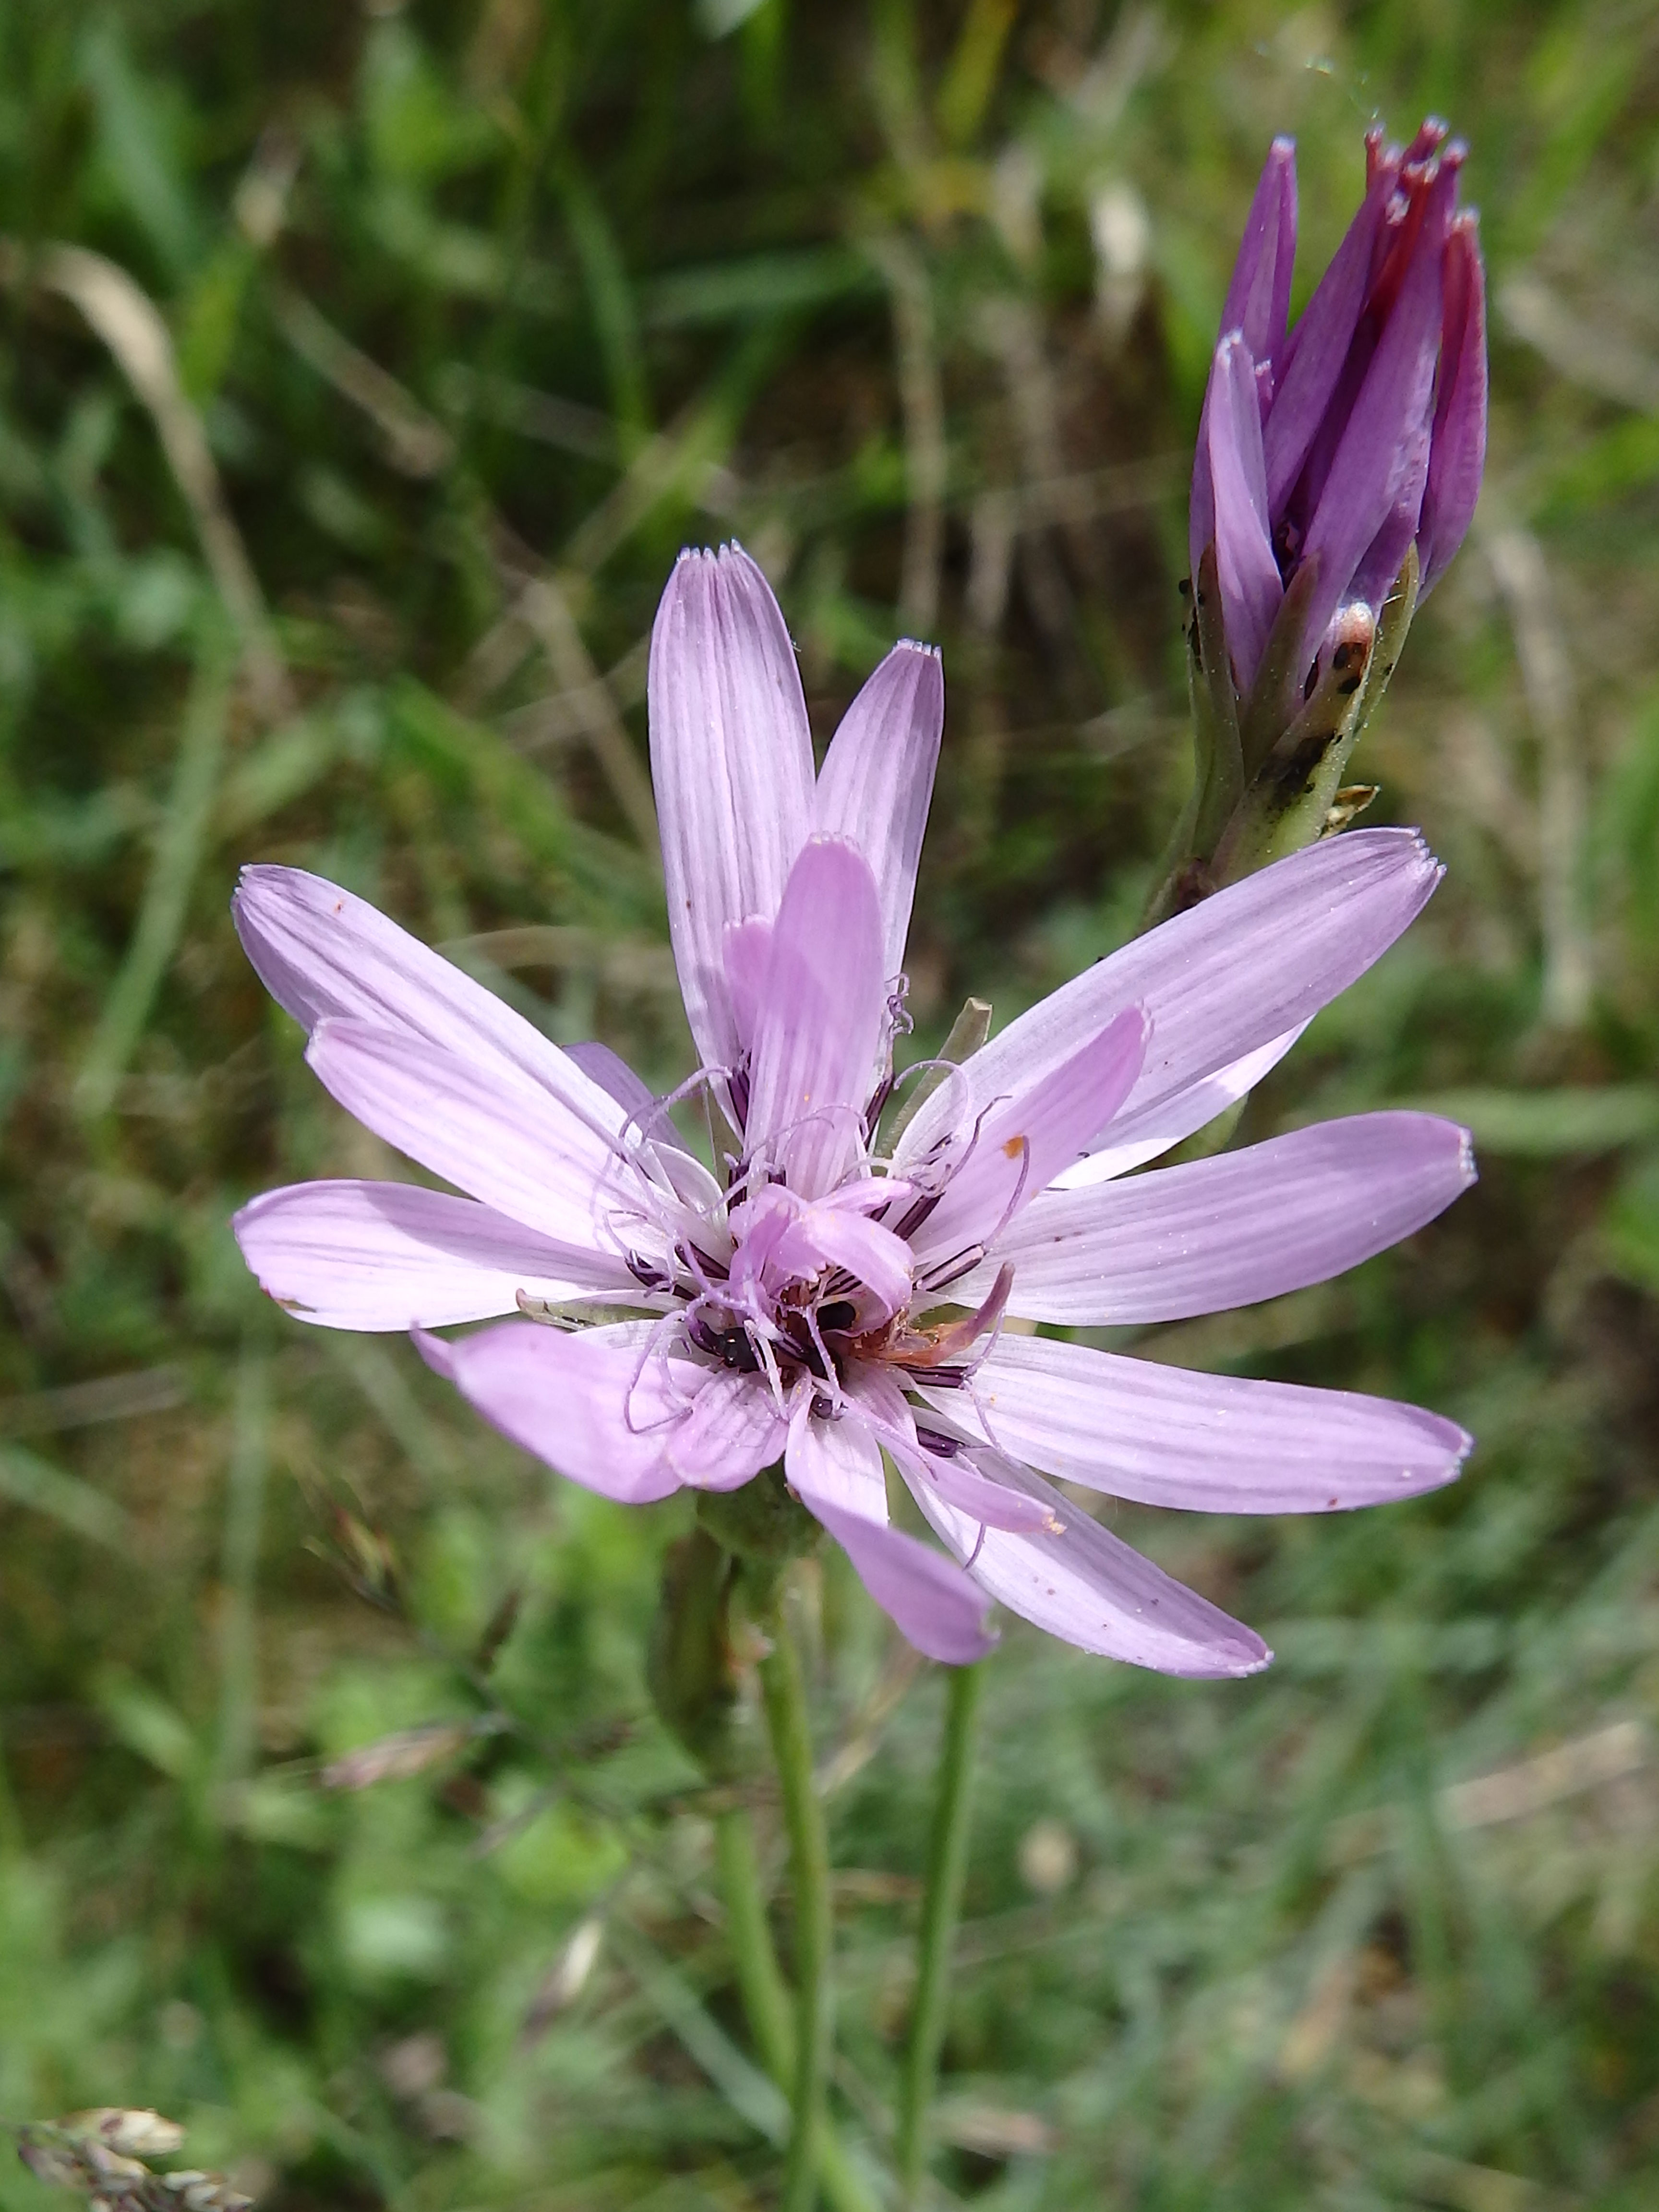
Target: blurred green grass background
{"type": "Point", "coordinates": [336, 495]}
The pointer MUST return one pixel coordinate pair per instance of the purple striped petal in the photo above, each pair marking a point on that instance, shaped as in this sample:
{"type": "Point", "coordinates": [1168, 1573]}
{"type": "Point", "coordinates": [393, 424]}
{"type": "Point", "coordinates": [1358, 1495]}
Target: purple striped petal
{"type": "Point", "coordinates": [878, 778]}
{"type": "Point", "coordinates": [834, 1464]}
{"type": "Point", "coordinates": [1380, 456]}
{"type": "Point", "coordinates": [1257, 304]}
{"type": "Point", "coordinates": [745, 948]}
{"type": "Point", "coordinates": [966, 1476]}
{"type": "Point", "coordinates": [1087, 1587]}
{"type": "Point", "coordinates": [580, 1401]}
{"type": "Point", "coordinates": [389, 1256]}
{"type": "Point", "coordinates": [1382, 559]}
{"type": "Point", "coordinates": [732, 762]}
{"type": "Point", "coordinates": [1209, 1443]}
{"type": "Point", "coordinates": [1258, 295]}
{"type": "Point", "coordinates": [516, 1148]}
{"type": "Point", "coordinates": [617, 1080]}
{"type": "Point", "coordinates": [1458, 452]}
{"type": "Point", "coordinates": [1220, 983]}
{"type": "Point", "coordinates": [1270, 345]}
{"type": "Point", "coordinates": [324, 954]}
{"type": "Point", "coordinates": [1319, 346]}
{"type": "Point", "coordinates": [819, 1027]}
{"type": "Point", "coordinates": [835, 1236]}
{"type": "Point", "coordinates": [1229, 1230]}
{"type": "Point", "coordinates": [732, 1430]}
{"type": "Point", "coordinates": [1142, 1134]}
{"type": "Point", "coordinates": [980, 1483]}
{"type": "Point", "coordinates": [1022, 1143]}
{"type": "Point", "coordinates": [1251, 589]}
{"type": "Point", "coordinates": [940, 1610]}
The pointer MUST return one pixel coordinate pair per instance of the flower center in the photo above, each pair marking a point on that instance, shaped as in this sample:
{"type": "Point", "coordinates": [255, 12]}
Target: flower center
{"type": "Point", "coordinates": [768, 1282]}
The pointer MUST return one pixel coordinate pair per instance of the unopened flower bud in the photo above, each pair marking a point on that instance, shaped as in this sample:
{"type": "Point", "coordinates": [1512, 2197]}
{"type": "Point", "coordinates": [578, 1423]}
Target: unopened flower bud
{"type": "Point", "coordinates": [1337, 468]}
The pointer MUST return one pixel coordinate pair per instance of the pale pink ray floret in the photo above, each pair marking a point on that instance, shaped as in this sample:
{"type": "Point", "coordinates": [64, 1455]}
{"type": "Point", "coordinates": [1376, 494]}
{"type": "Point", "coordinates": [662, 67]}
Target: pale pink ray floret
{"type": "Point", "coordinates": [829, 1299]}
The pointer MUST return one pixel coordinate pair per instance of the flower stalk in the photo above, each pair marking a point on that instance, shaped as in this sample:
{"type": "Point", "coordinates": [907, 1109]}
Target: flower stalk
{"type": "Point", "coordinates": [766, 2000]}
{"type": "Point", "coordinates": [768, 2003]}
{"type": "Point", "coordinates": [783, 1692]}
{"type": "Point", "coordinates": [947, 1862]}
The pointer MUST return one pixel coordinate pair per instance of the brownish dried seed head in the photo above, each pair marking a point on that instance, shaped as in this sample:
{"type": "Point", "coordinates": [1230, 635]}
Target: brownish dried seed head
{"type": "Point", "coordinates": [112, 2165]}
{"type": "Point", "coordinates": [142, 2134]}
{"type": "Point", "coordinates": [51, 2163]}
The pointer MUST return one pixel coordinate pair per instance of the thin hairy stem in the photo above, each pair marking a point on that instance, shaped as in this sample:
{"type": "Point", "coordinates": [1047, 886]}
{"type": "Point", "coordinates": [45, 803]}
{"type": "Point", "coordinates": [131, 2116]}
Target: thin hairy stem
{"type": "Point", "coordinates": [947, 1860]}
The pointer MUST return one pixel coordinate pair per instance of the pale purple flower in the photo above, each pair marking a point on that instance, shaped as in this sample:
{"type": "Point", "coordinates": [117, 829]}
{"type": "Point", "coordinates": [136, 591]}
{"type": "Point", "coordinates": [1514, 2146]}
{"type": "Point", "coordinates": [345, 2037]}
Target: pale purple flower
{"type": "Point", "coordinates": [826, 1299]}
{"type": "Point", "coordinates": [1340, 442]}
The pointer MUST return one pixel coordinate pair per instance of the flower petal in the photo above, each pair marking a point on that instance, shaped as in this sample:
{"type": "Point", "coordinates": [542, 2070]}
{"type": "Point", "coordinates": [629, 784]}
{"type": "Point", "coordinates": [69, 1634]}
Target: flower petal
{"type": "Point", "coordinates": [1251, 592]}
{"type": "Point", "coordinates": [617, 1079]}
{"type": "Point", "coordinates": [732, 762]}
{"type": "Point", "coordinates": [732, 1430]}
{"type": "Point", "coordinates": [745, 948]}
{"type": "Point", "coordinates": [1259, 294]}
{"type": "Point", "coordinates": [835, 1236]}
{"type": "Point", "coordinates": [324, 954]}
{"type": "Point", "coordinates": [516, 1148]}
{"type": "Point", "coordinates": [1458, 453]}
{"type": "Point", "coordinates": [878, 780]}
{"type": "Point", "coordinates": [1218, 983]}
{"type": "Point", "coordinates": [835, 1463]}
{"type": "Point", "coordinates": [974, 1482]}
{"type": "Point", "coordinates": [1087, 1587]}
{"type": "Point", "coordinates": [579, 1401]}
{"type": "Point", "coordinates": [1384, 557]}
{"type": "Point", "coordinates": [1257, 303]}
{"type": "Point", "coordinates": [1319, 345]}
{"type": "Point", "coordinates": [1024, 1142]}
{"type": "Point", "coordinates": [390, 1256]}
{"type": "Point", "coordinates": [1229, 1230]}
{"type": "Point", "coordinates": [1142, 1133]}
{"type": "Point", "coordinates": [1212, 1443]}
{"type": "Point", "coordinates": [940, 1609]}
{"type": "Point", "coordinates": [819, 1028]}
{"type": "Point", "coordinates": [1381, 451]}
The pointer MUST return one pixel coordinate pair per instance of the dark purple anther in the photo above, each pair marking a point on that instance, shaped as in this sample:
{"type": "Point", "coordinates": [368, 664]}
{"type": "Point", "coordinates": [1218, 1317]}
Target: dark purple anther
{"type": "Point", "coordinates": [1335, 446]}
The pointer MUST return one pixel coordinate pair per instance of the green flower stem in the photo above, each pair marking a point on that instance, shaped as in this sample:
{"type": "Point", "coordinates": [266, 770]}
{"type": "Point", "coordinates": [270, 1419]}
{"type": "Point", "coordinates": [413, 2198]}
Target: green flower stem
{"type": "Point", "coordinates": [766, 1998]}
{"type": "Point", "coordinates": [784, 1694]}
{"type": "Point", "coordinates": [947, 1860]}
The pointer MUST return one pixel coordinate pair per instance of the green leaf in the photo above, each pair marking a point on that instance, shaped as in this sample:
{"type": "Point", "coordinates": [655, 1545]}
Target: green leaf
{"type": "Point", "coordinates": [26, 1479]}
{"type": "Point", "coordinates": [146, 1723]}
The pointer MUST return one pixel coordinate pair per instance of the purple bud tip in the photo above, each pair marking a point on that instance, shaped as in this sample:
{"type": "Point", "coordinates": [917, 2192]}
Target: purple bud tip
{"type": "Point", "coordinates": [1429, 139]}
{"type": "Point", "coordinates": [1372, 412]}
